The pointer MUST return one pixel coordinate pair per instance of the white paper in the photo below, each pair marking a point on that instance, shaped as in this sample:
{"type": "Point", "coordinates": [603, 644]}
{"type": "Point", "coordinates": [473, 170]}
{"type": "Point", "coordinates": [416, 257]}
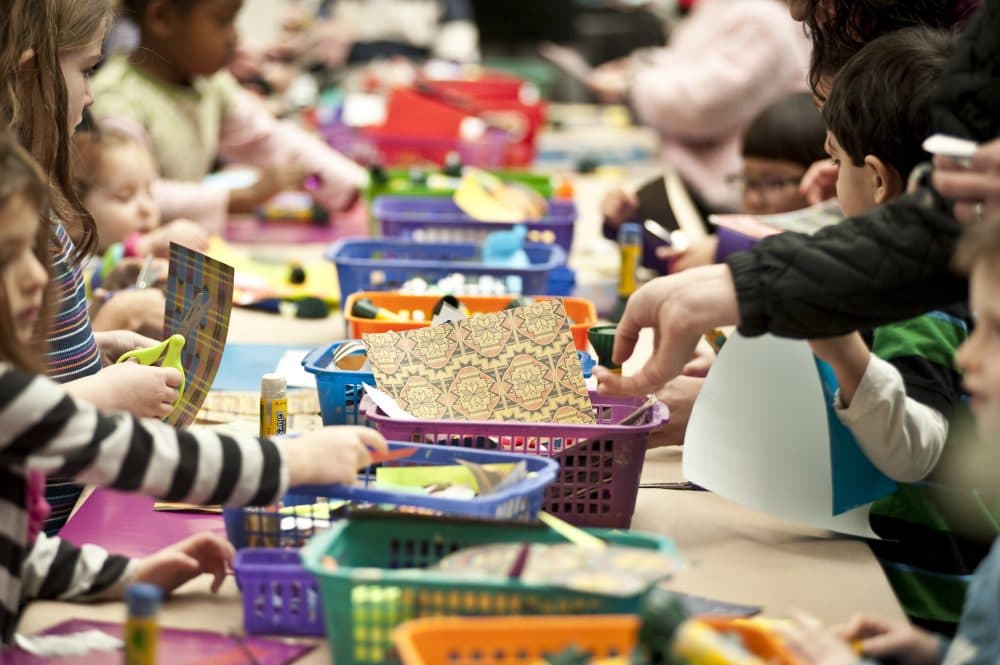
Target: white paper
{"type": "Point", "coordinates": [388, 405]}
{"type": "Point", "coordinates": [71, 644]}
{"type": "Point", "coordinates": [290, 367]}
{"type": "Point", "coordinates": [758, 435]}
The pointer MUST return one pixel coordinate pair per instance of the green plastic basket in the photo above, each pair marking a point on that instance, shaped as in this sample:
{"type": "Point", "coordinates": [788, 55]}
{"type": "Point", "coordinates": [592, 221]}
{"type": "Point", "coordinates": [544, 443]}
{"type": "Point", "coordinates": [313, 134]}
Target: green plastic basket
{"type": "Point", "coordinates": [379, 583]}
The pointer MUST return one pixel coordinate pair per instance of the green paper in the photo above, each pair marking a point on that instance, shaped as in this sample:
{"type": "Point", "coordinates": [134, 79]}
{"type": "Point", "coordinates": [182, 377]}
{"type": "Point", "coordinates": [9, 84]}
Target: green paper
{"type": "Point", "coordinates": [422, 476]}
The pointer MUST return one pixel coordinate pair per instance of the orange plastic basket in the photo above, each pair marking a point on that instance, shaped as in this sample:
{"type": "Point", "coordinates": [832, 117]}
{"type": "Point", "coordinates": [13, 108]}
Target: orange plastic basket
{"type": "Point", "coordinates": [512, 639]}
{"type": "Point", "coordinates": [521, 639]}
{"type": "Point", "coordinates": [581, 311]}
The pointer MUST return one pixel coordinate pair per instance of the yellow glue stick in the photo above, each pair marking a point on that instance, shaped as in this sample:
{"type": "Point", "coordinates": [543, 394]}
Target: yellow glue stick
{"type": "Point", "coordinates": [273, 405]}
{"type": "Point", "coordinates": [142, 632]}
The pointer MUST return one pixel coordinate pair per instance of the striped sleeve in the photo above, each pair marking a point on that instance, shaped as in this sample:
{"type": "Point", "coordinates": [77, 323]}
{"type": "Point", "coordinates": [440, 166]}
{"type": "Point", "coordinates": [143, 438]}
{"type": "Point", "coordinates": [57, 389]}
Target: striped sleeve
{"type": "Point", "coordinates": [55, 569]}
{"type": "Point", "coordinates": [44, 429]}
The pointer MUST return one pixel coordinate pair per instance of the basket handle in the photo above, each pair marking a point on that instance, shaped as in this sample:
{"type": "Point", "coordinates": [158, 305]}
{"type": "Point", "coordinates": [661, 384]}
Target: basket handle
{"type": "Point", "coordinates": [314, 356]}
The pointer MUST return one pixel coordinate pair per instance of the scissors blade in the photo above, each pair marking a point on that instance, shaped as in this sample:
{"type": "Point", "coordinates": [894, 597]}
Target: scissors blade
{"type": "Point", "coordinates": [194, 315]}
{"type": "Point", "coordinates": [145, 277]}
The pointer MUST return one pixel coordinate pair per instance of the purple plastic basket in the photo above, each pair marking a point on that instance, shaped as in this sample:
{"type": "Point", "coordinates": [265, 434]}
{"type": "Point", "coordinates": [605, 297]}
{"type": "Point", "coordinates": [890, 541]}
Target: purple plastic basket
{"type": "Point", "coordinates": [439, 219]}
{"type": "Point", "coordinates": [280, 597]}
{"type": "Point", "coordinates": [599, 465]}
{"type": "Point", "coordinates": [392, 150]}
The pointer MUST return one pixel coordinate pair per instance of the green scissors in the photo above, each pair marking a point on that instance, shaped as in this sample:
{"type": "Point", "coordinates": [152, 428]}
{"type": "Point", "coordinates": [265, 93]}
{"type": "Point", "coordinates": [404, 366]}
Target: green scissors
{"type": "Point", "coordinates": [168, 352]}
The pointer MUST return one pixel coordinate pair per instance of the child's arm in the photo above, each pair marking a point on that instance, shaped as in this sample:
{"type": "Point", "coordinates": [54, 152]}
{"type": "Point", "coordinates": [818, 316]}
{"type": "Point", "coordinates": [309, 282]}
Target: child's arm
{"type": "Point", "coordinates": [902, 437]}
{"type": "Point", "coordinates": [251, 135]}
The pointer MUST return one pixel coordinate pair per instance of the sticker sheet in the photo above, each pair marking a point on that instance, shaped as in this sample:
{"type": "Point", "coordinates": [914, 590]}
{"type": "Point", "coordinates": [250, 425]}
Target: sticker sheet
{"type": "Point", "coordinates": [515, 365]}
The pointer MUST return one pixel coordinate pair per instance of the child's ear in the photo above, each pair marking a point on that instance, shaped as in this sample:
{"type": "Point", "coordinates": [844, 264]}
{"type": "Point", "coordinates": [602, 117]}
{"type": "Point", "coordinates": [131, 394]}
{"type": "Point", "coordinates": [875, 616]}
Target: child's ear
{"type": "Point", "coordinates": [159, 18]}
{"type": "Point", "coordinates": [886, 181]}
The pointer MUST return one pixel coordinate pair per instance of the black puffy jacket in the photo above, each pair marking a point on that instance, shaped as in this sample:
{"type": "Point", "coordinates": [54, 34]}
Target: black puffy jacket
{"type": "Point", "coordinates": [892, 262]}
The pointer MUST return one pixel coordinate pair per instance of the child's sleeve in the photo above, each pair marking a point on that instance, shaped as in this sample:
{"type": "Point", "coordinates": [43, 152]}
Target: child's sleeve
{"type": "Point", "coordinates": [55, 569]}
{"type": "Point", "coordinates": [43, 429]}
{"type": "Point", "coordinates": [710, 94]}
{"type": "Point", "coordinates": [900, 436]}
{"type": "Point", "coordinates": [251, 135]}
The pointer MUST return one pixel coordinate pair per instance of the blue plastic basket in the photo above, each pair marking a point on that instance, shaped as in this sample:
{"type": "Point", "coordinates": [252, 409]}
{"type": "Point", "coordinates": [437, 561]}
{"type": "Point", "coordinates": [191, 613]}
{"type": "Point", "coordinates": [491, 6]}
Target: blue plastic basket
{"type": "Point", "coordinates": [439, 219]}
{"type": "Point", "coordinates": [340, 391]}
{"type": "Point", "coordinates": [280, 597]}
{"type": "Point", "coordinates": [386, 263]}
{"type": "Point", "coordinates": [305, 512]}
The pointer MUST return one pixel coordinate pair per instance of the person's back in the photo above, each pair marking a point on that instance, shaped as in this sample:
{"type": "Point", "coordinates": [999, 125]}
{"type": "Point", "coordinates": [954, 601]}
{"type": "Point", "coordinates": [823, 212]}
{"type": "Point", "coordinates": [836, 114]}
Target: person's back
{"type": "Point", "coordinates": [897, 398]}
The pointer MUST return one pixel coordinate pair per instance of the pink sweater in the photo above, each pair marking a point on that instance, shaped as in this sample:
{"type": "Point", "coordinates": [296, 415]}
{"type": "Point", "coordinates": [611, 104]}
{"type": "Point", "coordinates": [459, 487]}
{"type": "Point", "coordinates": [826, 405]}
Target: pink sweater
{"type": "Point", "coordinates": [724, 64]}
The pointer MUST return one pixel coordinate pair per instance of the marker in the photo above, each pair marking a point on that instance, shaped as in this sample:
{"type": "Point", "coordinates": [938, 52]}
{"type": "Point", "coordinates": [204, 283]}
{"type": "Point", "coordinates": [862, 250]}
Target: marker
{"type": "Point", "coordinates": [273, 405]}
{"type": "Point", "coordinates": [366, 309]}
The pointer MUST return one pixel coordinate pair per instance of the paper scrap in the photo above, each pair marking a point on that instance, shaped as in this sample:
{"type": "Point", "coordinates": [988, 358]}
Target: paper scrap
{"type": "Point", "coordinates": [758, 435]}
{"type": "Point", "coordinates": [515, 365]}
{"type": "Point", "coordinates": [73, 644]}
{"type": "Point", "coordinates": [389, 406]}
{"type": "Point", "coordinates": [290, 367]}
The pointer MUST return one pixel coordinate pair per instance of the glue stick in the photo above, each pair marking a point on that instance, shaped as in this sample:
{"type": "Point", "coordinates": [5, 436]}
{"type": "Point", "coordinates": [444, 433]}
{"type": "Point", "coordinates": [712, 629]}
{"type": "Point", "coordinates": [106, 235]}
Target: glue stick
{"type": "Point", "coordinates": [630, 247]}
{"type": "Point", "coordinates": [273, 405]}
{"type": "Point", "coordinates": [142, 632]}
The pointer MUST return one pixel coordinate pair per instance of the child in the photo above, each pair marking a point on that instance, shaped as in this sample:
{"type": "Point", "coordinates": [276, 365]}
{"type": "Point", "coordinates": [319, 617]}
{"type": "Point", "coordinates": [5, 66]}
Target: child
{"type": "Point", "coordinates": [43, 430]}
{"type": "Point", "coordinates": [174, 93]}
{"type": "Point", "coordinates": [777, 148]}
{"type": "Point", "coordinates": [897, 384]}
{"type": "Point", "coordinates": [978, 640]}
{"type": "Point", "coordinates": [113, 176]}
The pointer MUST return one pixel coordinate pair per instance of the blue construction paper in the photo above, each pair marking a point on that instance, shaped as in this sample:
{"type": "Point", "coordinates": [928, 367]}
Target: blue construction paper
{"type": "Point", "coordinates": [243, 365]}
{"type": "Point", "coordinates": [855, 481]}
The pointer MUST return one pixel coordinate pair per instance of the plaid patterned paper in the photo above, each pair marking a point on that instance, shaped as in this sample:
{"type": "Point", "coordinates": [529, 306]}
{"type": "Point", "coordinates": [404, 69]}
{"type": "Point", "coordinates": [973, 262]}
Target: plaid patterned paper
{"type": "Point", "coordinates": [191, 274]}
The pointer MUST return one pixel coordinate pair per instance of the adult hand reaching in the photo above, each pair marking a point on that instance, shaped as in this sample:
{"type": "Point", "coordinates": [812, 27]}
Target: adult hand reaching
{"type": "Point", "coordinates": [976, 187]}
{"type": "Point", "coordinates": [679, 308]}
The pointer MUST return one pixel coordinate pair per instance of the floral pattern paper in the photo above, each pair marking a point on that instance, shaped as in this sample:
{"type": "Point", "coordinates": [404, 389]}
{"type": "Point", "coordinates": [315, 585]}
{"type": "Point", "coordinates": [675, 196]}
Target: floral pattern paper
{"type": "Point", "coordinates": [516, 365]}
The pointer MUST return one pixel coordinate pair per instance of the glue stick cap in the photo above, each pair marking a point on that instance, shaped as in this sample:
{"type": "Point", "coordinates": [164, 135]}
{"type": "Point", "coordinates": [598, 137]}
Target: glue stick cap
{"type": "Point", "coordinates": [143, 600]}
{"type": "Point", "coordinates": [629, 233]}
{"type": "Point", "coordinates": [273, 386]}
{"type": "Point", "coordinates": [364, 308]}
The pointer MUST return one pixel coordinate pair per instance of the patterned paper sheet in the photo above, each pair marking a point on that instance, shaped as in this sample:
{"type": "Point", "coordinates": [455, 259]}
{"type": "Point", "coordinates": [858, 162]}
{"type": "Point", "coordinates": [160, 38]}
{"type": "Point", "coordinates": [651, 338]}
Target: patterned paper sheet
{"type": "Point", "coordinates": [517, 365]}
{"type": "Point", "coordinates": [191, 274]}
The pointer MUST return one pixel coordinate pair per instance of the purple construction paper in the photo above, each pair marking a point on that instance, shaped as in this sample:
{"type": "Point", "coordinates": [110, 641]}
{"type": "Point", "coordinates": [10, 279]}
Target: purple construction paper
{"type": "Point", "coordinates": [177, 646]}
{"type": "Point", "coordinates": [127, 524]}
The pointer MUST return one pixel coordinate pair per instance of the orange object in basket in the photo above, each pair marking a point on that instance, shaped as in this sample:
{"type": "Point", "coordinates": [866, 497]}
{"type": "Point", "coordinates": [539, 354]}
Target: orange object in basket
{"type": "Point", "coordinates": [760, 641]}
{"type": "Point", "coordinates": [512, 639]}
{"type": "Point", "coordinates": [581, 311]}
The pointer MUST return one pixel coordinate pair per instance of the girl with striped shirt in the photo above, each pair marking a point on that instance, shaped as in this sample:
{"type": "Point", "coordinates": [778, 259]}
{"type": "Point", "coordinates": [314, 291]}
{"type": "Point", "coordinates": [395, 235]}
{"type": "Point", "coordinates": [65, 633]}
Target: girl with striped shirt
{"type": "Point", "coordinates": [45, 430]}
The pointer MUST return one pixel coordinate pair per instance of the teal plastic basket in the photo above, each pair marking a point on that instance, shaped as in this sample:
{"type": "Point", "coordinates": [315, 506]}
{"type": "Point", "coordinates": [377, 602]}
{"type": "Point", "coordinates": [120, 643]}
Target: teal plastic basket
{"type": "Point", "coordinates": [379, 581]}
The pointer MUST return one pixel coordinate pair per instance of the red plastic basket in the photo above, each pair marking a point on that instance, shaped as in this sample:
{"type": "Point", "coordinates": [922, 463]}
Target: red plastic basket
{"type": "Point", "coordinates": [599, 465]}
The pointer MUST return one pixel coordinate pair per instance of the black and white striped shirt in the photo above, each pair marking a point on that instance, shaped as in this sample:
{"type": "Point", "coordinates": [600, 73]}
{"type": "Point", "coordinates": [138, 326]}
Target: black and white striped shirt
{"type": "Point", "coordinates": [43, 429]}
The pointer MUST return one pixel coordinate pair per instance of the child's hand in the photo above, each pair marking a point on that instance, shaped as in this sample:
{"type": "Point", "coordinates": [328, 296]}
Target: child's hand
{"type": "Point", "coordinates": [610, 81]}
{"type": "Point", "coordinates": [819, 182]}
{"type": "Point", "coordinates": [137, 310]}
{"type": "Point", "coordinates": [849, 356]}
{"type": "Point", "coordinates": [145, 391]}
{"type": "Point", "coordinates": [181, 231]}
{"type": "Point", "coordinates": [173, 566]}
{"type": "Point", "coordinates": [815, 645]}
{"type": "Point", "coordinates": [113, 343]}
{"type": "Point", "coordinates": [619, 206]}
{"type": "Point", "coordinates": [885, 640]}
{"type": "Point", "coordinates": [331, 455]}
{"type": "Point", "coordinates": [700, 253]}
{"type": "Point", "coordinates": [679, 395]}
{"type": "Point", "coordinates": [272, 181]}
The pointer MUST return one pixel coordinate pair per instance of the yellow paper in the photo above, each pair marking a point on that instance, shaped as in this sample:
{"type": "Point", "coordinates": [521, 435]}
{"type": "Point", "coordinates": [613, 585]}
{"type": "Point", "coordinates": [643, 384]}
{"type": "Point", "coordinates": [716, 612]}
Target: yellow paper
{"type": "Point", "coordinates": [422, 476]}
{"type": "Point", "coordinates": [515, 365]}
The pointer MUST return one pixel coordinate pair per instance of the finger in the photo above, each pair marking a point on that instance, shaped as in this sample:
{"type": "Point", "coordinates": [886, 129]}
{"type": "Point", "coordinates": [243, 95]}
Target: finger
{"type": "Point", "coordinates": [966, 212]}
{"type": "Point", "coordinates": [647, 380]}
{"type": "Point", "coordinates": [171, 377]}
{"type": "Point", "coordinates": [373, 439]}
{"type": "Point", "coordinates": [170, 395]}
{"type": "Point", "coordinates": [162, 410]}
{"type": "Point", "coordinates": [966, 185]}
{"type": "Point", "coordinates": [667, 252]}
{"type": "Point", "coordinates": [883, 646]}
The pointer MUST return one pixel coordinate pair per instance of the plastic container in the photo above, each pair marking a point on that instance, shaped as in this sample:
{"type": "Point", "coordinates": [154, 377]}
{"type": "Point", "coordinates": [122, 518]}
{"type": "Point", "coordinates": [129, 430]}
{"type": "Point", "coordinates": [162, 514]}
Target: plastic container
{"type": "Point", "coordinates": [400, 182]}
{"type": "Point", "coordinates": [379, 582]}
{"type": "Point", "coordinates": [280, 597]}
{"type": "Point", "coordinates": [599, 465]}
{"type": "Point", "coordinates": [514, 639]}
{"type": "Point", "coordinates": [341, 391]}
{"type": "Point", "coordinates": [374, 146]}
{"type": "Point", "coordinates": [580, 311]}
{"type": "Point", "coordinates": [518, 639]}
{"type": "Point", "coordinates": [439, 219]}
{"type": "Point", "coordinates": [385, 264]}
{"type": "Point", "coordinates": [307, 509]}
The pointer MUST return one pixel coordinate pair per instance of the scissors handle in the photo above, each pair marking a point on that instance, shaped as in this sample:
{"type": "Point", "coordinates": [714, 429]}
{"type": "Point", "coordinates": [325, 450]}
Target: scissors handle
{"type": "Point", "coordinates": [169, 350]}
